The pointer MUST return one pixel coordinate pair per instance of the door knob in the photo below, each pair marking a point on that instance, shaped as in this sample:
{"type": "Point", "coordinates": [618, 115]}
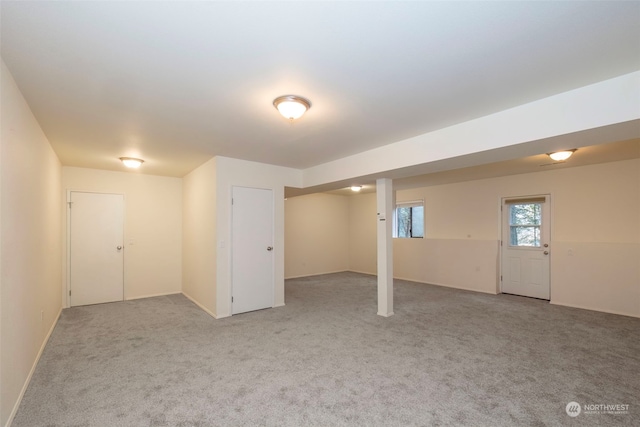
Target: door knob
{"type": "Point", "coordinates": [546, 252]}
{"type": "Point", "coordinates": [546, 245]}
{"type": "Point", "coordinates": [119, 247]}
{"type": "Point", "coordinates": [269, 248]}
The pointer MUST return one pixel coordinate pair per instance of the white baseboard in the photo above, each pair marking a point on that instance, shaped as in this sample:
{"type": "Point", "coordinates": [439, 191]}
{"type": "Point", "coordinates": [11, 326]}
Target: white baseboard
{"type": "Point", "coordinates": [203, 308]}
{"type": "Point", "coordinates": [33, 369]}
{"type": "Point", "coordinates": [600, 310]}
{"type": "Point", "coordinates": [363, 272]}
{"type": "Point", "coordinates": [152, 295]}
{"type": "Point", "coordinates": [619, 313]}
{"type": "Point", "coordinates": [406, 280]}
{"type": "Point", "coordinates": [316, 274]}
{"type": "Point", "coordinates": [448, 286]}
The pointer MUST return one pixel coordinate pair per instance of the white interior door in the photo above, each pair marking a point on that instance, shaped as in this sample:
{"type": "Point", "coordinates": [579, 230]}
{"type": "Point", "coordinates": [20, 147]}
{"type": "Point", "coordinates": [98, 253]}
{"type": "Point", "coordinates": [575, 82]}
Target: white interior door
{"type": "Point", "coordinates": [252, 249]}
{"type": "Point", "coordinates": [96, 248]}
{"type": "Point", "coordinates": [525, 247]}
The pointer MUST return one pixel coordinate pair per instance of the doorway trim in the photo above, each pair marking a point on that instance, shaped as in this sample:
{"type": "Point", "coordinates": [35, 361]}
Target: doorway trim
{"type": "Point", "coordinates": [67, 287]}
{"type": "Point", "coordinates": [502, 240]}
{"type": "Point", "coordinates": [232, 246]}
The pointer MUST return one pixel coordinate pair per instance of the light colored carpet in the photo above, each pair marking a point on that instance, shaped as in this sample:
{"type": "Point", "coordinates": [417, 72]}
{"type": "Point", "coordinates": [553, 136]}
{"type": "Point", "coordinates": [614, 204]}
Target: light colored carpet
{"type": "Point", "coordinates": [447, 357]}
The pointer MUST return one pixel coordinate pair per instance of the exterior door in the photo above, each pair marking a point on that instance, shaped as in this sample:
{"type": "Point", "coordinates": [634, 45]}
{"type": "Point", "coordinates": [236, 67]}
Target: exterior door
{"type": "Point", "coordinates": [96, 228]}
{"type": "Point", "coordinates": [525, 246]}
{"type": "Point", "coordinates": [252, 249]}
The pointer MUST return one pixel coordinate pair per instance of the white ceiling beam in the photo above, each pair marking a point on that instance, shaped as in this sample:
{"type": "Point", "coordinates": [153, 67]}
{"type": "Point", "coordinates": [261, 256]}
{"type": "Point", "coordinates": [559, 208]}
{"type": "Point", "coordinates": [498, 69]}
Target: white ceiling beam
{"type": "Point", "coordinates": [607, 103]}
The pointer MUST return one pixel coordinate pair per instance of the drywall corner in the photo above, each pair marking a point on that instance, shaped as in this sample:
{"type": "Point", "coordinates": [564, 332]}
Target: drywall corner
{"type": "Point", "coordinates": [199, 255]}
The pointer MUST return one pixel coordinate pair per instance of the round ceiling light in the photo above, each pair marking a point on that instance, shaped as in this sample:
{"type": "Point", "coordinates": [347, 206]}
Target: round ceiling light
{"type": "Point", "coordinates": [561, 156]}
{"type": "Point", "coordinates": [131, 162]}
{"type": "Point", "coordinates": [291, 107]}
{"type": "Point", "coordinates": [356, 188]}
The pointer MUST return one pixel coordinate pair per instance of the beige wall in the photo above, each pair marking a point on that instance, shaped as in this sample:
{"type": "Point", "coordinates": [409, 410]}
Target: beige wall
{"type": "Point", "coordinates": [363, 233]}
{"type": "Point", "coordinates": [595, 234]}
{"type": "Point", "coordinates": [207, 227]}
{"type": "Point", "coordinates": [242, 173]}
{"type": "Point", "coordinates": [199, 236]}
{"type": "Point", "coordinates": [31, 251]}
{"type": "Point", "coordinates": [316, 234]}
{"type": "Point", "coordinates": [152, 226]}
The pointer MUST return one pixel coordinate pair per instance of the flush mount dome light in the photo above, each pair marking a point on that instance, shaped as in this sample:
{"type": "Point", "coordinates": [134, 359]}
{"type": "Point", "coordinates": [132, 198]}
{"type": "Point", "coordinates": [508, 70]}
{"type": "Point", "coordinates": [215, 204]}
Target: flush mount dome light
{"type": "Point", "coordinates": [560, 156]}
{"type": "Point", "coordinates": [356, 188]}
{"type": "Point", "coordinates": [131, 162]}
{"type": "Point", "coordinates": [291, 106]}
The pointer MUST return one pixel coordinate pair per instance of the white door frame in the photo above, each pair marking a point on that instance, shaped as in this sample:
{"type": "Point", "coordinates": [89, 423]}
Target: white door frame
{"type": "Point", "coordinates": [231, 263]}
{"type": "Point", "coordinates": [67, 296]}
{"type": "Point", "coordinates": [501, 242]}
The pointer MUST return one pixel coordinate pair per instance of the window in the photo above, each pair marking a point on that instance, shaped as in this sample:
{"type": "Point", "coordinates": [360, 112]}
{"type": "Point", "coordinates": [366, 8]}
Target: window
{"type": "Point", "coordinates": [409, 220]}
{"type": "Point", "coordinates": [525, 220]}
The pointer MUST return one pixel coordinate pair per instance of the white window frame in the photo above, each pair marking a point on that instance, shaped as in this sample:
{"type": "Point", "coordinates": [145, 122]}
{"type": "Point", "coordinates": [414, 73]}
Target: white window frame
{"type": "Point", "coordinates": [408, 204]}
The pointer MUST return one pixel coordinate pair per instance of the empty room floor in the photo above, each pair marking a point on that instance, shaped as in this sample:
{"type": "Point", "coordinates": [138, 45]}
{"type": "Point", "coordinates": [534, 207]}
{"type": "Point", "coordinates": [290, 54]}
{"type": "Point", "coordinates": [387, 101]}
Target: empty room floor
{"type": "Point", "coordinates": [447, 357]}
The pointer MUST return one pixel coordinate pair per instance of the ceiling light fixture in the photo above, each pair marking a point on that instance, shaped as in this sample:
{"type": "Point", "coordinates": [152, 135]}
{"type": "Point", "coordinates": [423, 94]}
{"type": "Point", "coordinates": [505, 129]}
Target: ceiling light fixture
{"type": "Point", "coordinates": [291, 106]}
{"type": "Point", "coordinates": [131, 162]}
{"type": "Point", "coordinates": [561, 156]}
{"type": "Point", "coordinates": [356, 188]}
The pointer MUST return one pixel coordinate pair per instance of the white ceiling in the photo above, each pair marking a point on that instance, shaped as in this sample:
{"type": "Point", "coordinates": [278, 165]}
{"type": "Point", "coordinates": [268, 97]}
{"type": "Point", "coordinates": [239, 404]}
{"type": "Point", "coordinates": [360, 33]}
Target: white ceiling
{"type": "Point", "coordinates": [176, 83]}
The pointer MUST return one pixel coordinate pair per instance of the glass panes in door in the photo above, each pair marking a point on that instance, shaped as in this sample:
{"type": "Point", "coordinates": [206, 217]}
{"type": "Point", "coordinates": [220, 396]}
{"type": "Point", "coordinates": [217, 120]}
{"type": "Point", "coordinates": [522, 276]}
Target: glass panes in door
{"type": "Point", "coordinates": [524, 224]}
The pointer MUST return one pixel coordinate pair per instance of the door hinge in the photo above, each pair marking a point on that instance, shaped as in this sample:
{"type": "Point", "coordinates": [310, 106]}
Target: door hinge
{"type": "Point", "coordinates": [501, 278]}
{"type": "Point", "coordinates": [231, 299]}
{"type": "Point", "coordinates": [232, 200]}
{"type": "Point", "coordinates": [70, 203]}
{"type": "Point", "coordinates": [69, 292]}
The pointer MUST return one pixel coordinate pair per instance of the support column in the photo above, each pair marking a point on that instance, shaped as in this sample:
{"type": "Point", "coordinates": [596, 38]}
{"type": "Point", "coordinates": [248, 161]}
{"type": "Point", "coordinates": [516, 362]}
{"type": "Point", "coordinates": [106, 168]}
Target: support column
{"type": "Point", "coordinates": [385, 201]}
